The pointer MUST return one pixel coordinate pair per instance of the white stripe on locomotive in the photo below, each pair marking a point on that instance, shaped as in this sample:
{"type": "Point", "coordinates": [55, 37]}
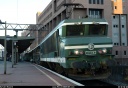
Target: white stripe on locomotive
{"type": "Point", "coordinates": [57, 60]}
{"type": "Point", "coordinates": [86, 46]}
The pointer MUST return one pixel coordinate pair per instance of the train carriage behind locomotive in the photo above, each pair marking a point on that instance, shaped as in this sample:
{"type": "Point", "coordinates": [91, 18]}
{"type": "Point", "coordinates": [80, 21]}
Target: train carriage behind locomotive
{"type": "Point", "coordinates": [79, 48]}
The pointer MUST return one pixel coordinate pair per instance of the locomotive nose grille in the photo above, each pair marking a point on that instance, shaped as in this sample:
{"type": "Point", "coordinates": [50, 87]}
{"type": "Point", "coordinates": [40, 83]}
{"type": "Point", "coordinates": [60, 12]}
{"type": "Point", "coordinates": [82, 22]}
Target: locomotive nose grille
{"type": "Point", "coordinates": [81, 64]}
{"type": "Point", "coordinates": [84, 64]}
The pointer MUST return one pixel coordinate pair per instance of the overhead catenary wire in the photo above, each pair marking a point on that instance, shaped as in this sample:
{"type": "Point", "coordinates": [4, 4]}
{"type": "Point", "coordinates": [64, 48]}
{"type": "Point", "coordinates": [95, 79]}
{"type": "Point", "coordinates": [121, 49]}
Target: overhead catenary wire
{"type": "Point", "coordinates": [17, 10]}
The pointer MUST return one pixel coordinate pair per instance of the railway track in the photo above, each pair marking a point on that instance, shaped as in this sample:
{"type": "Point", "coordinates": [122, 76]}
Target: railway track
{"type": "Point", "coordinates": [95, 83]}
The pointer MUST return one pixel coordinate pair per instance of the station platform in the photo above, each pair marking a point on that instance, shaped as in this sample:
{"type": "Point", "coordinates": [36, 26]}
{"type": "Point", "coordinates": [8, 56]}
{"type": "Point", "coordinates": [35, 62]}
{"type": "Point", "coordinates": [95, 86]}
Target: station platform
{"type": "Point", "coordinates": [29, 74]}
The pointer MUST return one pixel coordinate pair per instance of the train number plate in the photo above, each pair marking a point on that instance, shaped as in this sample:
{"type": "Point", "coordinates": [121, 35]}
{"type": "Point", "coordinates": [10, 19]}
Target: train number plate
{"type": "Point", "coordinates": [90, 52]}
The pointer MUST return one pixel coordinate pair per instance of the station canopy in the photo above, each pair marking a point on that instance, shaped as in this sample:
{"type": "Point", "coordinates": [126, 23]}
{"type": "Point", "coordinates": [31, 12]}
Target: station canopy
{"type": "Point", "coordinates": [22, 43]}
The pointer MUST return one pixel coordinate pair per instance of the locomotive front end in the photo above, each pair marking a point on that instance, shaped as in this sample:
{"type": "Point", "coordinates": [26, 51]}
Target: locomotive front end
{"type": "Point", "coordinates": [90, 59]}
{"type": "Point", "coordinates": [88, 50]}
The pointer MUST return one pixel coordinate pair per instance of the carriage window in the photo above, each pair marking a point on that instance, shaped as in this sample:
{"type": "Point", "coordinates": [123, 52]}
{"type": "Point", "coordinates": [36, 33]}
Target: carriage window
{"type": "Point", "coordinates": [75, 30]}
{"type": "Point", "coordinates": [97, 29]}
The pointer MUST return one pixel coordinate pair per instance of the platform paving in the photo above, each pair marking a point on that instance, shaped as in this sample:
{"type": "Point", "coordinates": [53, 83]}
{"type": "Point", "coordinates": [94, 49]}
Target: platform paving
{"type": "Point", "coordinates": [28, 74]}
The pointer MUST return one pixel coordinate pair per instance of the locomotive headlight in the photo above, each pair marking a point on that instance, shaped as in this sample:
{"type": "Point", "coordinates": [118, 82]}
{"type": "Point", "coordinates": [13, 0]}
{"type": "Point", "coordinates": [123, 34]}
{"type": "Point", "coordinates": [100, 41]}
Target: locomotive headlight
{"type": "Point", "coordinates": [81, 52]}
{"type": "Point", "coordinates": [100, 51]}
{"type": "Point", "coordinates": [76, 52]}
{"type": "Point", "coordinates": [104, 51]}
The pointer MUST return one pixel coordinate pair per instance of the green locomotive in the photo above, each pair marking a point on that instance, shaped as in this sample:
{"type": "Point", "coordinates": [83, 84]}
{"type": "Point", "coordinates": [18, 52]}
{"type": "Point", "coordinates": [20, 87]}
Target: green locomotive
{"type": "Point", "coordinates": [78, 48]}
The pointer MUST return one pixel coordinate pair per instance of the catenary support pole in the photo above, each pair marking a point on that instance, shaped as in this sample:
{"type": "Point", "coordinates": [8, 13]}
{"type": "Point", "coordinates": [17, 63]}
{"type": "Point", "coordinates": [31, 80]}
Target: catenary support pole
{"type": "Point", "coordinates": [5, 50]}
{"type": "Point", "coordinates": [12, 54]}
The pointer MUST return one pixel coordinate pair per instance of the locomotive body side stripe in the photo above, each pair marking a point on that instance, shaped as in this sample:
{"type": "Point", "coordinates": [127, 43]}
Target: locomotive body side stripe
{"type": "Point", "coordinates": [57, 60]}
{"type": "Point", "coordinates": [86, 46]}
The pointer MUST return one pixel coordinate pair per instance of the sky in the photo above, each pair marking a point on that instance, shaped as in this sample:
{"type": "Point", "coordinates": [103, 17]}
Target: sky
{"type": "Point", "coordinates": [20, 11]}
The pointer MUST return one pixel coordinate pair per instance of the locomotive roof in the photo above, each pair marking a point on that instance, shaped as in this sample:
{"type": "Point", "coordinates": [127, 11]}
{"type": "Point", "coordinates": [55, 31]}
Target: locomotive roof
{"type": "Point", "coordinates": [84, 20]}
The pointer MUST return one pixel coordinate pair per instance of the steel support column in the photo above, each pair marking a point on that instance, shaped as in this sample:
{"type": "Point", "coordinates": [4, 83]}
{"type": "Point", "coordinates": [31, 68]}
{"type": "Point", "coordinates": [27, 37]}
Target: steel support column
{"type": "Point", "coordinates": [5, 50]}
{"type": "Point", "coordinates": [12, 53]}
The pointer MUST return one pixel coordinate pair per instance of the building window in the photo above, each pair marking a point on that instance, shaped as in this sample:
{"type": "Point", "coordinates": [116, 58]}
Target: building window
{"type": "Point", "coordinates": [123, 44]}
{"type": "Point", "coordinates": [114, 17]}
{"type": "Point", "coordinates": [115, 7]}
{"type": "Point", "coordinates": [115, 44]}
{"type": "Point", "coordinates": [116, 52]}
{"type": "Point", "coordinates": [90, 1]}
{"type": "Point", "coordinates": [102, 1]}
{"type": "Point", "coordinates": [96, 1]}
{"type": "Point", "coordinates": [122, 26]}
{"type": "Point", "coordinates": [125, 53]}
{"type": "Point", "coordinates": [116, 26]}
{"type": "Point", "coordinates": [95, 13]}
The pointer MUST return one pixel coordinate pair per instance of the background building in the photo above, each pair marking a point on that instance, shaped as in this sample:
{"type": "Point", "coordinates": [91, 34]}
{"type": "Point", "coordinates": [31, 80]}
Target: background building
{"type": "Point", "coordinates": [120, 31]}
{"type": "Point", "coordinates": [32, 33]}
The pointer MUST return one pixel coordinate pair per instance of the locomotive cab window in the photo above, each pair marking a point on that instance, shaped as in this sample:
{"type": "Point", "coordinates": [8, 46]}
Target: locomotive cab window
{"type": "Point", "coordinates": [99, 29]}
{"type": "Point", "coordinates": [75, 30]}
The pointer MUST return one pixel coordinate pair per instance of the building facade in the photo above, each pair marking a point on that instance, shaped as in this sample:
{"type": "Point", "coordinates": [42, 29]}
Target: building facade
{"type": "Point", "coordinates": [33, 33]}
{"type": "Point", "coordinates": [114, 11]}
{"type": "Point", "coordinates": [120, 31]}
